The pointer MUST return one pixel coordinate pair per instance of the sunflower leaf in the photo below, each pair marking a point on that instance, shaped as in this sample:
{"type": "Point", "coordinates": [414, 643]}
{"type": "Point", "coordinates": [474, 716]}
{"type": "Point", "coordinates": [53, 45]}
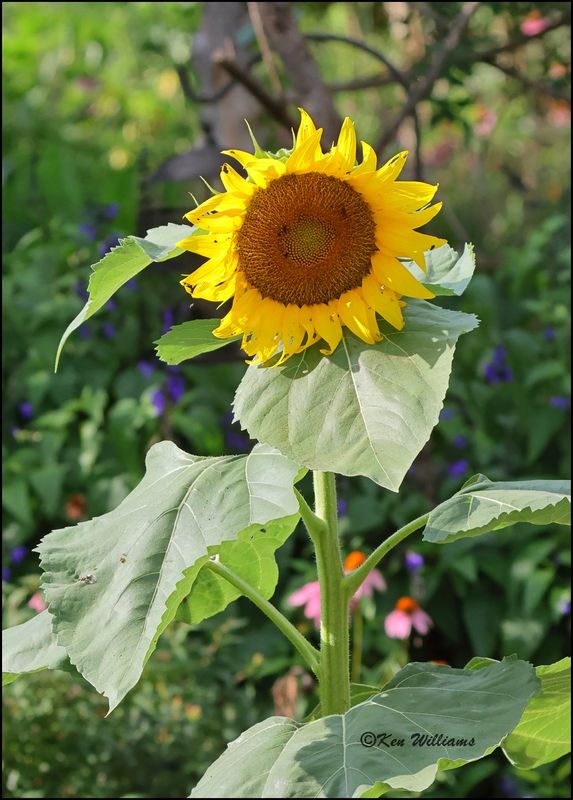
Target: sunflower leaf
{"type": "Point", "coordinates": [447, 273]}
{"type": "Point", "coordinates": [114, 583]}
{"type": "Point", "coordinates": [251, 557]}
{"type": "Point", "coordinates": [30, 647]}
{"type": "Point", "coordinates": [482, 506]}
{"type": "Point", "coordinates": [190, 339]}
{"type": "Point", "coordinates": [365, 410]}
{"type": "Point", "coordinates": [544, 731]}
{"type": "Point", "coordinates": [121, 264]}
{"type": "Point", "coordinates": [344, 755]}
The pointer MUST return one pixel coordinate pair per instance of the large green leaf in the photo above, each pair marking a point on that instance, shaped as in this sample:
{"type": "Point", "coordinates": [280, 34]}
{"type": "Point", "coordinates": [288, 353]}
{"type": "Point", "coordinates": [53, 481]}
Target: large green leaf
{"type": "Point", "coordinates": [447, 273]}
{"type": "Point", "coordinates": [251, 557]}
{"type": "Point", "coordinates": [365, 410]}
{"type": "Point", "coordinates": [30, 647]}
{"type": "Point", "coordinates": [344, 755]}
{"type": "Point", "coordinates": [544, 732]}
{"type": "Point", "coordinates": [482, 505]}
{"type": "Point", "coordinates": [114, 583]}
{"type": "Point", "coordinates": [190, 339]}
{"type": "Point", "coordinates": [121, 264]}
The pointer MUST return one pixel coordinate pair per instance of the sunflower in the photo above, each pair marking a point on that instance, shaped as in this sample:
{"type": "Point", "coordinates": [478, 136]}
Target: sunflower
{"type": "Point", "coordinates": [310, 242]}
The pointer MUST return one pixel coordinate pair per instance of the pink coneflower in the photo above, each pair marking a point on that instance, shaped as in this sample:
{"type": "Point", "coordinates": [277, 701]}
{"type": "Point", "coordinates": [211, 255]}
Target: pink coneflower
{"type": "Point", "coordinates": [373, 581]}
{"type": "Point", "coordinates": [406, 615]}
{"type": "Point", "coordinates": [309, 594]}
{"type": "Point", "coordinates": [309, 597]}
{"type": "Point", "coordinates": [534, 24]}
{"type": "Point", "coordinates": [37, 602]}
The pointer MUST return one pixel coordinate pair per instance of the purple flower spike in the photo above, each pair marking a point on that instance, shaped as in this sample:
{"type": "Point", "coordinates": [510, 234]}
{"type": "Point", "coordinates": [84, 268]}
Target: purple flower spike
{"type": "Point", "coordinates": [236, 441]}
{"type": "Point", "coordinates": [146, 368]}
{"type": "Point", "coordinates": [560, 401]}
{"type": "Point", "coordinates": [460, 442]}
{"type": "Point", "coordinates": [458, 468]}
{"type": "Point", "coordinates": [111, 210]}
{"type": "Point", "coordinates": [26, 410]}
{"type": "Point", "coordinates": [158, 401]}
{"type": "Point", "coordinates": [111, 305]}
{"type": "Point", "coordinates": [5, 573]}
{"type": "Point", "coordinates": [565, 607]}
{"type": "Point", "coordinates": [414, 562]}
{"type": "Point", "coordinates": [341, 506]}
{"type": "Point", "coordinates": [549, 333]}
{"type": "Point", "coordinates": [85, 332]}
{"type": "Point", "coordinates": [176, 387]}
{"type": "Point", "coordinates": [131, 284]}
{"type": "Point", "coordinates": [18, 554]}
{"type": "Point", "coordinates": [110, 242]}
{"type": "Point", "coordinates": [108, 330]}
{"type": "Point", "coordinates": [447, 413]}
{"type": "Point", "coordinates": [168, 320]}
{"type": "Point", "coordinates": [88, 230]}
{"type": "Point", "coordinates": [498, 370]}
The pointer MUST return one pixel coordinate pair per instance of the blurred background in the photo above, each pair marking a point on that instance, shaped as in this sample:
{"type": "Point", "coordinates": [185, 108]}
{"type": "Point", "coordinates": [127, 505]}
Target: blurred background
{"type": "Point", "coordinates": [113, 111]}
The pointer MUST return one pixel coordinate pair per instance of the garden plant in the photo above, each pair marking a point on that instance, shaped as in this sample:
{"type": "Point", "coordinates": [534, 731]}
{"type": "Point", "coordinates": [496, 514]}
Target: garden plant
{"type": "Point", "coordinates": [333, 294]}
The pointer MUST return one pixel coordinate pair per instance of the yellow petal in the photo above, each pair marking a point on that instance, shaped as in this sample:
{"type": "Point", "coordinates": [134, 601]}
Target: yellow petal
{"type": "Point", "coordinates": [342, 157]}
{"type": "Point", "coordinates": [306, 128]}
{"type": "Point", "coordinates": [306, 156]}
{"type": "Point", "coordinates": [327, 326]}
{"type": "Point", "coordinates": [358, 317]}
{"type": "Point", "coordinates": [205, 245]}
{"type": "Point", "coordinates": [292, 332]}
{"type": "Point", "coordinates": [384, 301]}
{"type": "Point", "coordinates": [369, 161]}
{"type": "Point", "coordinates": [227, 328]}
{"type": "Point", "coordinates": [394, 275]}
{"type": "Point", "coordinates": [233, 182]}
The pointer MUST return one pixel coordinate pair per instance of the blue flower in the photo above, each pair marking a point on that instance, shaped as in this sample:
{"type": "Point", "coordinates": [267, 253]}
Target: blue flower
{"type": "Point", "coordinates": [146, 368]}
{"type": "Point", "coordinates": [108, 330]}
{"type": "Point", "coordinates": [111, 305]}
{"type": "Point", "coordinates": [458, 468]}
{"type": "Point", "coordinates": [26, 410]}
{"type": "Point", "coordinates": [565, 607]}
{"type": "Point", "coordinates": [88, 230]}
{"type": "Point", "coordinates": [341, 506]}
{"type": "Point", "coordinates": [460, 442]}
{"type": "Point", "coordinates": [110, 211]}
{"type": "Point", "coordinates": [18, 553]}
{"type": "Point", "coordinates": [85, 332]}
{"type": "Point", "coordinates": [447, 413]}
{"type": "Point", "coordinates": [560, 401]}
{"type": "Point", "coordinates": [549, 333]}
{"type": "Point", "coordinates": [131, 284]}
{"type": "Point", "coordinates": [5, 573]}
{"type": "Point", "coordinates": [176, 387]}
{"type": "Point", "coordinates": [414, 562]}
{"type": "Point", "coordinates": [236, 441]}
{"type": "Point", "coordinates": [158, 401]}
{"type": "Point", "coordinates": [168, 320]}
{"type": "Point", "coordinates": [498, 370]}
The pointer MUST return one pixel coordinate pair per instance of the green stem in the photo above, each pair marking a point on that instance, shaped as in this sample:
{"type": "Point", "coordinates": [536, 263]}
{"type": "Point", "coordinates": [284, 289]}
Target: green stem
{"type": "Point", "coordinates": [357, 631]}
{"type": "Point", "coordinates": [354, 579]}
{"type": "Point", "coordinates": [309, 653]}
{"type": "Point", "coordinates": [334, 628]}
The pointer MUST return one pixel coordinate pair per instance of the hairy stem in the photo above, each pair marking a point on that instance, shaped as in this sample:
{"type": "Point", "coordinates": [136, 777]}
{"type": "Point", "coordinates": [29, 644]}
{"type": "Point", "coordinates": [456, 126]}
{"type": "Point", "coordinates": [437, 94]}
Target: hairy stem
{"type": "Point", "coordinates": [357, 634]}
{"type": "Point", "coordinates": [304, 647]}
{"type": "Point", "coordinates": [334, 627]}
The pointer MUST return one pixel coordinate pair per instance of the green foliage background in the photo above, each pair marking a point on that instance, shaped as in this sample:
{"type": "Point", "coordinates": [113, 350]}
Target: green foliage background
{"type": "Point", "coordinates": [91, 110]}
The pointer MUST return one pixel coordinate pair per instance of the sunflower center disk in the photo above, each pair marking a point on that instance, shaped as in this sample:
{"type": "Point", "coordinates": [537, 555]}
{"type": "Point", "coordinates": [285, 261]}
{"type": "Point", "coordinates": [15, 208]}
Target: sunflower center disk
{"type": "Point", "coordinates": [306, 239]}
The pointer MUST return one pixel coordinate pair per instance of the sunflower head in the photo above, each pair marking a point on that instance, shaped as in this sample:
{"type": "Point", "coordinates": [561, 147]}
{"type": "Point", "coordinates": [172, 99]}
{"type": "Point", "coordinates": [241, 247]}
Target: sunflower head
{"type": "Point", "coordinates": [310, 242]}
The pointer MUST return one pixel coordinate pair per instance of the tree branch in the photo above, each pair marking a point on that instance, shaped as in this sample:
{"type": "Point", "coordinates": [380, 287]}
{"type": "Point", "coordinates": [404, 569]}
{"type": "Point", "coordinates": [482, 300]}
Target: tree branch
{"type": "Point", "coordinates": [426, 85]}
{"type": "Point", "coordinates": [306, 80]}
